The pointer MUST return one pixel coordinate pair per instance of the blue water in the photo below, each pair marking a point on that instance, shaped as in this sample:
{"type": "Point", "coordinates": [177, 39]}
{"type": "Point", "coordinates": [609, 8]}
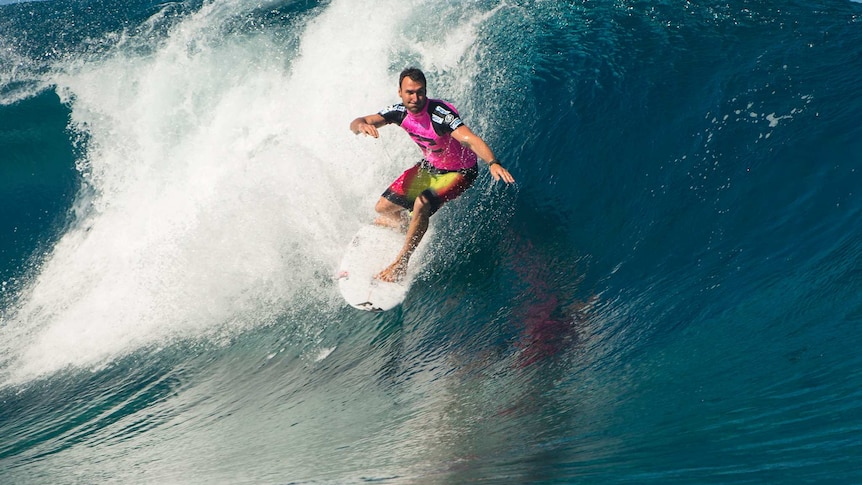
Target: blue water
{"type": "Point", "coordinates": [669, 294]}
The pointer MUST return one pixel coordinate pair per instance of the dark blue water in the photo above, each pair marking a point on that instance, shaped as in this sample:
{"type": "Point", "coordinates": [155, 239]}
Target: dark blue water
{"type": "Point", "coordinates": [669, 294]}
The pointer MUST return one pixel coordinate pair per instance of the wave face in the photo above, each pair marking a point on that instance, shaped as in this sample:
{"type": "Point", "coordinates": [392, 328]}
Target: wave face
{"type": "Point", "coordinates": [669, 294]}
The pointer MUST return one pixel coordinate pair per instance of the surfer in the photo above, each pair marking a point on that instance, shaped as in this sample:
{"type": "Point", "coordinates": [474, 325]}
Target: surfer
{"type": "Point", "coordinates": [449, 165]}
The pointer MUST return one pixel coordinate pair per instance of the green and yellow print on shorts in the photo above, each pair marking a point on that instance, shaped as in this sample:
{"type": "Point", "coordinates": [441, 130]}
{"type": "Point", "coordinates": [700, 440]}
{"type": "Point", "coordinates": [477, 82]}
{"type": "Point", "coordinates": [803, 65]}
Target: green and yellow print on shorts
{"type": "Point", "coordinates": [439, 186]}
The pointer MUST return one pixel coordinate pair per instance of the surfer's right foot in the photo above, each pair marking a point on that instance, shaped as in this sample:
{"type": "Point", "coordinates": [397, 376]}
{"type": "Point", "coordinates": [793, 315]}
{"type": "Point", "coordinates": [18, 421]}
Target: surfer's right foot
{"type": "Point", "coordinates": [395, 272]}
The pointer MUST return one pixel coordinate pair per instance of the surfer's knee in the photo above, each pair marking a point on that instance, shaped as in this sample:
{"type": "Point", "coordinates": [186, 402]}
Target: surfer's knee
{"type": "Point", "coordinates": [423, 205]}
{"type": "Point", "coordinates": [385, 206]}
{"type": "Point", "coordinates": [382, 205]}
{"type": "Point", "coordinates": [427, 203]}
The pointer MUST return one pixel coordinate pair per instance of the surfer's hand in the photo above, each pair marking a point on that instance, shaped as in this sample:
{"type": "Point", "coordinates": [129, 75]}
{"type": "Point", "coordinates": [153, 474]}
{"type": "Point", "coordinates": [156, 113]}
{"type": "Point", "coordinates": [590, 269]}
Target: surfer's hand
{"type": "Point", "coordinates": [500, 173]}
{"type": "Point", "coordinates": [369, 130]}
{"type": "Point", "coordinates": [362, 127]}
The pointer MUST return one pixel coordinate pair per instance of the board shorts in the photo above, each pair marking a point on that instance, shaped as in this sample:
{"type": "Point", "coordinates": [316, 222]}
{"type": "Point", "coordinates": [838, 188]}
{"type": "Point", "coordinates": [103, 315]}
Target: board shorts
{"type": "Point", "coordinates": [438, 186]}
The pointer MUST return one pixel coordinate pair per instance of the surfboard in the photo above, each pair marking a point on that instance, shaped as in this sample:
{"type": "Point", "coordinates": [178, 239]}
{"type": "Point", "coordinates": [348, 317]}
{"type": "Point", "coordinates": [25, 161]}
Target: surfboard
{"type": "Point", "coordinates": [370, 251]}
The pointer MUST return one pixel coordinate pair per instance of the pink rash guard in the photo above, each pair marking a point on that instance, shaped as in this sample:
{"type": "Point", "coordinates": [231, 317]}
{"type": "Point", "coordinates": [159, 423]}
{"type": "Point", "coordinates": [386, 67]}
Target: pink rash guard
{"type": "Point", "coordinates": [432, 129]}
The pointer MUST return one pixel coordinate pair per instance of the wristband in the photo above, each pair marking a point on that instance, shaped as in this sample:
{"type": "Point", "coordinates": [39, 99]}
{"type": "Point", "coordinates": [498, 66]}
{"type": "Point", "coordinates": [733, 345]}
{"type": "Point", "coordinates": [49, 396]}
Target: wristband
{"type": "Point", "coordinates": [492, 162]}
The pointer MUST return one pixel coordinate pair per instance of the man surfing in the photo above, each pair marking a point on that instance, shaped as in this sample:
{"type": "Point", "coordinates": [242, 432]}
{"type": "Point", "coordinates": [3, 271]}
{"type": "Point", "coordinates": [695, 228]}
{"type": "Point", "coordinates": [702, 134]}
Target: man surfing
{"type": "Point", "coordinates": [449, 165]}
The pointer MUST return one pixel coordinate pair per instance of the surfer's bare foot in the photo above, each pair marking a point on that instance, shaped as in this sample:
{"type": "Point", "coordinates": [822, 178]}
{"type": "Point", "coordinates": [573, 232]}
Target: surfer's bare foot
{"type": "Point", "coordinates": [399, 221]}
{"type": "Point", "coordinates": [395, 272]}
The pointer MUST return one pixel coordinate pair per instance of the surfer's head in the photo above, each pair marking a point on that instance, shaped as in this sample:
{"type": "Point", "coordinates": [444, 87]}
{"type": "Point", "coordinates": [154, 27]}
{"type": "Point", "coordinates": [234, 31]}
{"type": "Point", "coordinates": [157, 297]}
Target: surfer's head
{"type": "Point", "coordinates": [411, 89]}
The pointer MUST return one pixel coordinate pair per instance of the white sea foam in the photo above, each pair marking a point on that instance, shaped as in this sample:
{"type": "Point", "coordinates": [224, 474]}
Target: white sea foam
{"type": "Point", "coordinates": [220, 179]}
{"type": "Point", "coordinates": [221, 183]}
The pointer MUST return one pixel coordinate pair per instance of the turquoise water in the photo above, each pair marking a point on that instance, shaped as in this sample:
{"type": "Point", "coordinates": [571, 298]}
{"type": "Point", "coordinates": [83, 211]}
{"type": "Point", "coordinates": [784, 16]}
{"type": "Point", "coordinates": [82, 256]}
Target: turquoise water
{"type": "Point", "coordinates": [669, 294]}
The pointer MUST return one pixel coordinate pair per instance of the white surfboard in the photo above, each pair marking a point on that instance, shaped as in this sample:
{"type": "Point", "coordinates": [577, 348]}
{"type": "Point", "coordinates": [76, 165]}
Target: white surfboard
{"type": "Point", "coordinates": [370, 251]}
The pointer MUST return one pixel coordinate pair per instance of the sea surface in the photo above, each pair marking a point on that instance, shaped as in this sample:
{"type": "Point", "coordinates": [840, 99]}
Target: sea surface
{"type": "Point", "coordinates": [671, 293]}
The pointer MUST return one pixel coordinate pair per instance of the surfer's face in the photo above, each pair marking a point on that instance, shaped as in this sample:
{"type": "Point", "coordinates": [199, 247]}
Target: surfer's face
{"type": "Point", "coordinates": [412, 95]}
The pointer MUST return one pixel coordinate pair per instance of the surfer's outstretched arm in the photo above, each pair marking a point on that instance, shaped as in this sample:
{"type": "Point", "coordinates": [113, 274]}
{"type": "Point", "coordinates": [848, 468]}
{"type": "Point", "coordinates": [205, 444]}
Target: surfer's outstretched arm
{"type": "Point", "coordinates": [483, 151]}
{"type": "Point", "coordinates": [367, 125]}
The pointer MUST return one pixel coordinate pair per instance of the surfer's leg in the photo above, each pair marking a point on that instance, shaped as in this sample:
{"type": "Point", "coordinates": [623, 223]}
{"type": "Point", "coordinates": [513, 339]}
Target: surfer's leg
{"type": "Point", "coordinates": [438, 189]}
{"type": "Point", "coordinates": [399, 197]}
{"type": "Point", "coordinates": [391, 214]}
{"type": "Point", "coordinates": [422, 209]}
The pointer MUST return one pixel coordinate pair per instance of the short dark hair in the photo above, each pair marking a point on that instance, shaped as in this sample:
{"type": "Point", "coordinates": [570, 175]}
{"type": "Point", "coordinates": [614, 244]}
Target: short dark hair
{"type": "Point", "coordinates": [413, 73]}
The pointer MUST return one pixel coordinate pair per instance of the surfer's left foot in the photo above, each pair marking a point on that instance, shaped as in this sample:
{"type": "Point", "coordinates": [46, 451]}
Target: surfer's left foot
{"type": "Point", "coordinates": [399, 221]}
{"type": "Point", "coordinates": [394, 273]}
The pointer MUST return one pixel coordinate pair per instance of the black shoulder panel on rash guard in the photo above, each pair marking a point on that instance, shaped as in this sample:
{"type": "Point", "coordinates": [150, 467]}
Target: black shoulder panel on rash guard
{"type": "Point", "coordinates": [394, 114]}
{"type": "Point", "coordinates": [444, 119]}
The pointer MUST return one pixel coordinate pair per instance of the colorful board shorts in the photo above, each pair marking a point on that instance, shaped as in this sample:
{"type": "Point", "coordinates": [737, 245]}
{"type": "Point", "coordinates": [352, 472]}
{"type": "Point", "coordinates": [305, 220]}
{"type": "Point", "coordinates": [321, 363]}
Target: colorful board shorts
{"type": "Point", "coordinates": [438, 186]}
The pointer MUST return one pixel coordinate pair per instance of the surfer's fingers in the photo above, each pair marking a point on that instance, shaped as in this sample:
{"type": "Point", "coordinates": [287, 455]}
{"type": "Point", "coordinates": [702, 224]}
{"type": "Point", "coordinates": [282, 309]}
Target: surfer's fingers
{"type": "Point", "coordinates": [371, 129]}
{"type": "Point", "coordinates": [500, 173]}
{"type": "Point", "coordinates": [367, 129]}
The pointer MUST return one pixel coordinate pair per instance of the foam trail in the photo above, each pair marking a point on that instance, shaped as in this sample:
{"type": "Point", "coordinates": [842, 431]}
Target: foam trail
{"type": "Point", "coordinates": [219, 186]}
